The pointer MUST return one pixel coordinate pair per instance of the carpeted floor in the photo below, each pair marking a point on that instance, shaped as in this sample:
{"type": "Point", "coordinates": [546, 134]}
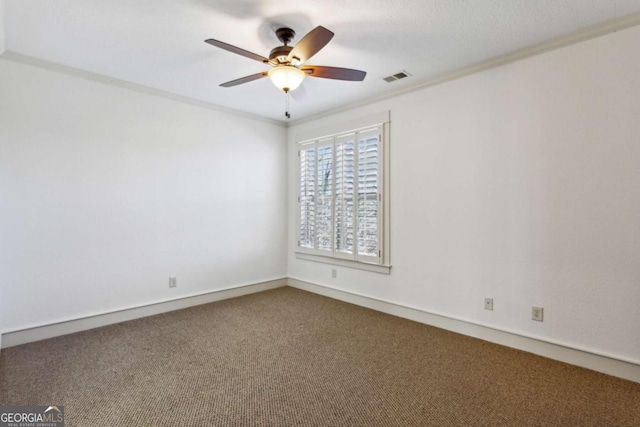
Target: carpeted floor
{"type": "Point", "coordinates": [290, 358]}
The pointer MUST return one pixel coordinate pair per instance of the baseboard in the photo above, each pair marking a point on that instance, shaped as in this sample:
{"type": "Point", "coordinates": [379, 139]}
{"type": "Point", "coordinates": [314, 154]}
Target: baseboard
{"type": "Point", "coordinates": [13, 338]}
{"type": "Point", "coordinates": [628, 370]}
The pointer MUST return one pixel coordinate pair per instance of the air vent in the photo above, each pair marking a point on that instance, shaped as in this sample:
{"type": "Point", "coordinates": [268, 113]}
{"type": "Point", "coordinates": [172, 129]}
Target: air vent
{"type": "Point", "coordinates": [397, 76]}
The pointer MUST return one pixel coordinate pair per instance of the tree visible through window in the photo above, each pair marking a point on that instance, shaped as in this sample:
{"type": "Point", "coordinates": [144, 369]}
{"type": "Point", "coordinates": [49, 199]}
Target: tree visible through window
{"type": "Point", "coordinates": [340, 196]}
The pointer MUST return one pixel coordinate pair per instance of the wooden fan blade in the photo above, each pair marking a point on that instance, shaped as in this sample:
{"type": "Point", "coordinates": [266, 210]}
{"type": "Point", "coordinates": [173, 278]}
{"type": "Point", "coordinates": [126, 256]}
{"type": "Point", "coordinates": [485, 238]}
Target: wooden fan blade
{"type": "Point", "coordinates": [237, 50]}
{"type": "Point", "coordinates": [334, 73]}
{"type": "Point", "coordinates": [311, 44]}
{"type": "Point", "coordinates": [246, 79]}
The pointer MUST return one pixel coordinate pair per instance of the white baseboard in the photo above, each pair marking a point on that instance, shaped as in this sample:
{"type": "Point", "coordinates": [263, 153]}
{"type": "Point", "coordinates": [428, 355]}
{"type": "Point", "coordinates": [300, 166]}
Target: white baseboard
{"type": "Point", "coordinates": [13, 338]}
{"type": "Point", "coordinates": [628, 370]}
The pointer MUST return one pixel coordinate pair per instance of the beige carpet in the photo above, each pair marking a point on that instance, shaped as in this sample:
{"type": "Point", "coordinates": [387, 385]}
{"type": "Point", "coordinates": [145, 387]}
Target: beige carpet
{"type": "Point", "coordinates": [290, 358]}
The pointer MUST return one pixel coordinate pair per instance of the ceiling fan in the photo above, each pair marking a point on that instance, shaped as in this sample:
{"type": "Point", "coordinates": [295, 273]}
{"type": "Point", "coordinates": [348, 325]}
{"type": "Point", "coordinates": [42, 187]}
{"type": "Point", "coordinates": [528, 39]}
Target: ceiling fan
{"type": "Point", "coordinates": [288, 62]}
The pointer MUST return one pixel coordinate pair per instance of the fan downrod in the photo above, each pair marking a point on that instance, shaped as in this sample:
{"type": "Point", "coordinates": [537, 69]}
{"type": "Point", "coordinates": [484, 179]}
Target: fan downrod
{"type": "Point", "coordinates": [280, 53]}
{"type": "Point", "coordinates": [285, 35]}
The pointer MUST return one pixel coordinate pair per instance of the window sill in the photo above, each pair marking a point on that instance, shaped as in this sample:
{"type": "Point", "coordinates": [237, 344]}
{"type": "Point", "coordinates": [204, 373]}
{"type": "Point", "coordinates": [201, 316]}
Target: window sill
{"type": "Point", "coordinates": [376, 268]}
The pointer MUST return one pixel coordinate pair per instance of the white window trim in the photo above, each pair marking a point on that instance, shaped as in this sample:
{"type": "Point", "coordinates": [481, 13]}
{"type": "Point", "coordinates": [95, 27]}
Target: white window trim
{"type": "Point", "coordinates": [383, 265]}
{"type": "Point", "coordinates": [376, 268]}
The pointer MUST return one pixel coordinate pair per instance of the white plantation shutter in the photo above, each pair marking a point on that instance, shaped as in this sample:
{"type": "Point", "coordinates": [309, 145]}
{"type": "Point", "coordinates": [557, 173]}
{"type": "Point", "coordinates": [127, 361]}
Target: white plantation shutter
{"type": "Point", "coordinates": [307, 198]}
{"type": "Point", "coordinates": [324, 196]}
{"type": "Point", "coordinates": [340, 196]}
{"type": "Point", "coordinates": [344, 201]}
{"type": "Point", "coordinates": [316, 197]}
{"type": "Point", "coordinates": [368, 194]}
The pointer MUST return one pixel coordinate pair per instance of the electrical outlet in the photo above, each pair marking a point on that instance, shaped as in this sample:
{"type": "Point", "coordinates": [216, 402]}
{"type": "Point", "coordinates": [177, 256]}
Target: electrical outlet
{"type": "Point", "coordinates": [488, 303]}
{"type": "Point", "coordinates": [334, 273]}
{"type": "Point", "coordinates": [537, 313]}
{"type": "Point", "coordinates": [173, 282]}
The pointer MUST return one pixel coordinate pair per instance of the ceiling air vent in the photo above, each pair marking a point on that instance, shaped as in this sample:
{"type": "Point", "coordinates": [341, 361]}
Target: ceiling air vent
{"type": "Point", "coordinates": [397, 76]}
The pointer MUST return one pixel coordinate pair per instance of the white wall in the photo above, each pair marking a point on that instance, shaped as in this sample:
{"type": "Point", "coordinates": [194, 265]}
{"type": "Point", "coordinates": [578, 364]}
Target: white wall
{"type": "Point", "coordinates": [2, 35]}
{"type": "Point", "coordinates": [520, 183]}
{"type": "Point", "coordinates": [528, 193]}
{"type": "Point", "coordinates": [106, 192]}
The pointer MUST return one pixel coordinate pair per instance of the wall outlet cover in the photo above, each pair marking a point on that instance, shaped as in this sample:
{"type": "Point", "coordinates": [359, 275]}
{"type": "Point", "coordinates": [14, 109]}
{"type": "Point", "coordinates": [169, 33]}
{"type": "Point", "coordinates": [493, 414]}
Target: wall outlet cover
{"type": "Point", "coordinates": [488, 303]}
{"type": "Point", "coordinates": [537, 314]}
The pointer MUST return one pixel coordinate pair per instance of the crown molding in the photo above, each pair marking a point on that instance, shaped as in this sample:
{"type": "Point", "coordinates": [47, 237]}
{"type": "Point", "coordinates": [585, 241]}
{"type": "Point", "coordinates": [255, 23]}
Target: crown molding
{"type": "Point", "coordinates": [112, 81]}
{"type": "Point", "coordinates": [520, 54]}
{"type": "Point", "coordinates": [517, 55]}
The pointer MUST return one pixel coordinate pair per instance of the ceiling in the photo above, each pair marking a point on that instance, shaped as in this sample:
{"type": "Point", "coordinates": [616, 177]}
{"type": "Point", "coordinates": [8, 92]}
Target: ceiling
{"type": "Point", "coordinates": [160, 43]}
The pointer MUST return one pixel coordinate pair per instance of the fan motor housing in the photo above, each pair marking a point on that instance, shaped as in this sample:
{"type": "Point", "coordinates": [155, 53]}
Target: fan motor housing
{"type": "Point", "coordinates": [280, 53]}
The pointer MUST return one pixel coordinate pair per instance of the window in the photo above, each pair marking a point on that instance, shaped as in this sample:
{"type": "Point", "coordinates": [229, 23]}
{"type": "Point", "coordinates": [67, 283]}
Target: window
{"type": "Point", "coordinates": [341, 196]}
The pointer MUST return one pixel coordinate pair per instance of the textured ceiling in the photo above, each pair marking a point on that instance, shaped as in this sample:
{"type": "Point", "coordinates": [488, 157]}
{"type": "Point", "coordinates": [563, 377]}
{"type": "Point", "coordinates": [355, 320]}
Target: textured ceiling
{"type": "Point", "coordinates": [160, 43]}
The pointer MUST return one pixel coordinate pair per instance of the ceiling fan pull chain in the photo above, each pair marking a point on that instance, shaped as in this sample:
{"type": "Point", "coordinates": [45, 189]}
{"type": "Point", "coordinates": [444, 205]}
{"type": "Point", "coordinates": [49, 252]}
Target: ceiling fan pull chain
{"type": "Point", "coordinates": [286, 106]}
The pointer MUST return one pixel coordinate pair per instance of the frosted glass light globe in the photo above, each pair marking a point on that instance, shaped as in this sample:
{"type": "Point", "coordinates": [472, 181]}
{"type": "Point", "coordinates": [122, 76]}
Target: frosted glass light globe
{"type": "Point", "coordinates": [286, 77]}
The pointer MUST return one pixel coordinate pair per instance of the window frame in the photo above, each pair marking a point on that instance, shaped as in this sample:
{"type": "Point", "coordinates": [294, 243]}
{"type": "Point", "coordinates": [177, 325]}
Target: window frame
{"type": "Point", "coordinates": [380, 263]}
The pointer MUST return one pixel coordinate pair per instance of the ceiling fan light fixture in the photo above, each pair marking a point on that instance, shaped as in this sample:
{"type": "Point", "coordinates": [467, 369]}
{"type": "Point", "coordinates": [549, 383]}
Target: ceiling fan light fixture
{"type": "Point", "coordinates": [286, 77]}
